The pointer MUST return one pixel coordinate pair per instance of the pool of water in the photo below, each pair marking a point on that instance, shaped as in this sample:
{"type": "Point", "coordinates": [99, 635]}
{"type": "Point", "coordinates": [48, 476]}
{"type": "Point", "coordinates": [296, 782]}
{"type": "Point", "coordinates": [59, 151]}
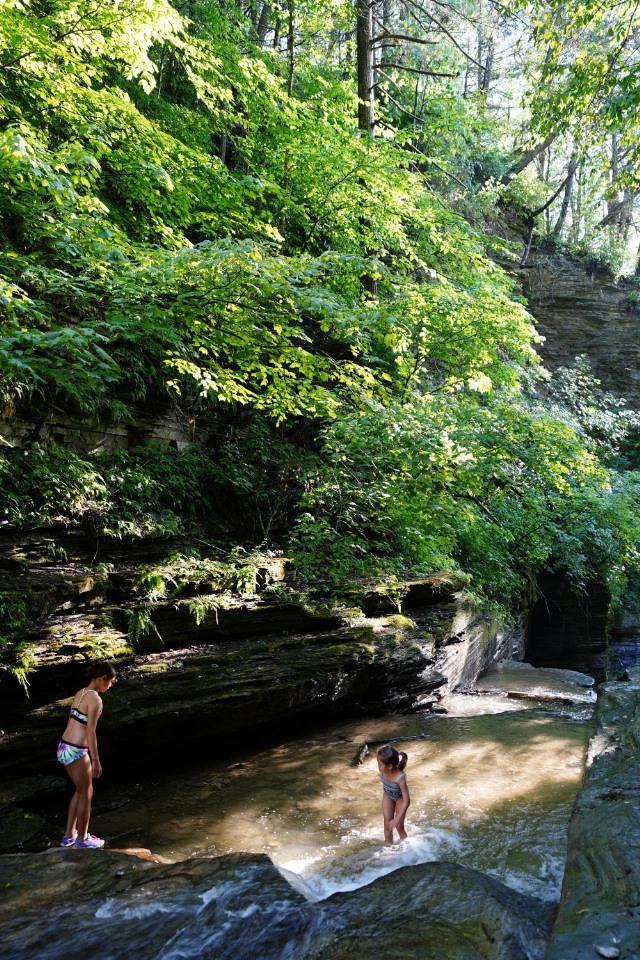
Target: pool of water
{"type": "Point", "coordinates": [492, 784]}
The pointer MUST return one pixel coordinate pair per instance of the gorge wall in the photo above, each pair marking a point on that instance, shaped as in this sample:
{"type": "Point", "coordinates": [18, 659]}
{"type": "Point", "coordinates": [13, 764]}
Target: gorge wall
{"type": "Point", "coordinates": [579, 309]}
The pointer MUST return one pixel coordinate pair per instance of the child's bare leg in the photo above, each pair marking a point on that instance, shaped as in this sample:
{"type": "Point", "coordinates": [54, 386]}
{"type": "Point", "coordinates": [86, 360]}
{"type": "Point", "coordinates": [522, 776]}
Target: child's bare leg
{"type": "Point", "coordinates": [388, 812]}
{"type": "Point", "coordinates": [80, 773]}
{"type": "Point", "coordinates": [73, 815]}
{"type": "Point", "coordinates": [402, 833]}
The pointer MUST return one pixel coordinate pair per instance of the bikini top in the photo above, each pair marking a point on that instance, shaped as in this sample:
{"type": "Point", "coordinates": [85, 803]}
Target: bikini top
{"type": "Point", "coordinates": [76, 714]}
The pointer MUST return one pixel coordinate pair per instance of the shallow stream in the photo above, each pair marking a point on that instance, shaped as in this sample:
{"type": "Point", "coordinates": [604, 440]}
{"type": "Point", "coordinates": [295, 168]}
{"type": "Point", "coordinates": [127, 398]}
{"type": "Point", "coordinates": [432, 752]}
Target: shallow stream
{"type": "Point", "coordinates": [492, 784]}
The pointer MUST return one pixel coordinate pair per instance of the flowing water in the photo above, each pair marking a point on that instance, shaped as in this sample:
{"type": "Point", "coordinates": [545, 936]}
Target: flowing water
{"type": "Point", "coordinates": [492, 785]}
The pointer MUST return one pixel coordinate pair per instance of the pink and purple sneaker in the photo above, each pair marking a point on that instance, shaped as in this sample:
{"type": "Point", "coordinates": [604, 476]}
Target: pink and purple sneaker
{"type": "Point", "coordinates": [91, 843]}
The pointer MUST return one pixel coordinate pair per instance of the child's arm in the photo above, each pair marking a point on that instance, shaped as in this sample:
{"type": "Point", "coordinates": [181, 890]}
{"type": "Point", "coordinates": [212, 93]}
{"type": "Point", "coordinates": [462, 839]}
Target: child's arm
{"type": "Point", "coordinates": [404, 802]}
{"type": "Point", "coordinates": [94, 706]}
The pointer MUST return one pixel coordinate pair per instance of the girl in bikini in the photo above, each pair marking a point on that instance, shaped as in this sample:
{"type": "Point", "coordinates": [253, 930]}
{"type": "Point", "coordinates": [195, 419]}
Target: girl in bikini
{"type": "Point", "coordinates": [78, 751]}
{"type": "Point", "coordinates": [395, 792]}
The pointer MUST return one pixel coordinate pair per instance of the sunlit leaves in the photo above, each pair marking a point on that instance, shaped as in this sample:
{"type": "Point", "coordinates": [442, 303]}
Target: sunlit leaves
{"type": "Point", "coordinates": [589, 81]}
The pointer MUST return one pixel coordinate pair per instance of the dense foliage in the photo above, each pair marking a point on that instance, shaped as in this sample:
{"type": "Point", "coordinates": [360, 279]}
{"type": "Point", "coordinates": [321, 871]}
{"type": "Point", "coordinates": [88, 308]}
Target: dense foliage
{"type": "Point", "coordinates": [191, 217]}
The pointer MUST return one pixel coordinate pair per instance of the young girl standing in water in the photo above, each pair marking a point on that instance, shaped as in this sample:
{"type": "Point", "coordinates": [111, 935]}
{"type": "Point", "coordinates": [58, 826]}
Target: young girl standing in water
{"type": "Point", "coordinates": [78, 751]}
{"type": "Point", "coordinates": [395, 792]}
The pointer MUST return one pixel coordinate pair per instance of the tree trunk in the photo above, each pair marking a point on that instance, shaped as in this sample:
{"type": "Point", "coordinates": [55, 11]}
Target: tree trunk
{"type": "Point", "coordinates": [366, 119]}
{"type": "Point", "coordinates": [627, 220]}
{"type": "Point", "coordinates": [621, 209]}
{"type": "Point", "coordinates": [364, 35]}
{"type": "Point", "coordinates": [222, 151]}
{"type": "Point", "coordinates": [577, 205]}
{"type": "Point", "coordinates": [487, 70]}
{"type": "Point", "coordinates": [291, 50]}
{"type": "Point", "coordinates": [566, 200]}
{"type": "Point", "coordinates": [386, 28]}
{"type": "Point", "coordinates": [526, 158]}
{"type": "Point", "coordinates": [614, 211]}
{"type": "Point", "coordinates": [263, 22]}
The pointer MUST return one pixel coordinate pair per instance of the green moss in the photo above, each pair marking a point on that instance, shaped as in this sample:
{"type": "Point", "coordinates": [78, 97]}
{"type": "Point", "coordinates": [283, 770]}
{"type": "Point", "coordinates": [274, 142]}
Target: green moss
{"type": "Point", "coordinates": [150, 668]}
{"type": "Point", "coordinates": [399, 622]}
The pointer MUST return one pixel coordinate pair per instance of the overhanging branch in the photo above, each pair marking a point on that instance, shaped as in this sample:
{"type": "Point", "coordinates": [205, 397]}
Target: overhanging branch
{"type": "Point", "coordinates": [423, 73]}
{"type": "Point", "coordinates": [402, 36]}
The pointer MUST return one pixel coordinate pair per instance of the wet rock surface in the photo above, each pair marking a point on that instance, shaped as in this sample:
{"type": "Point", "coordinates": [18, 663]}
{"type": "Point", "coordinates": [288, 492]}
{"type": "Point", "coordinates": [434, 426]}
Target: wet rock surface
{"type": "Point", "coordinates": [523, 681]}
{"type": "Point", "coordinates": [240, 906]}
{"type": "Point", "coordinates": [600, 908]}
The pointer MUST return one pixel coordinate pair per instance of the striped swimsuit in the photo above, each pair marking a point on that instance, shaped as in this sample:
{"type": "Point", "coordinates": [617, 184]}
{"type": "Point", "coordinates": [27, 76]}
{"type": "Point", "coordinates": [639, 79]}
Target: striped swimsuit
{"type": "Point", "coordinates": [391, 788]}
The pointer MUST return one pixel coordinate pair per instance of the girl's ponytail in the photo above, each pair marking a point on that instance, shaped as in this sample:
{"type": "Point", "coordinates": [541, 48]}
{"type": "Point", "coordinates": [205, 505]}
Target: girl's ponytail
{"type": "Point", "coordinates": [392, 757]}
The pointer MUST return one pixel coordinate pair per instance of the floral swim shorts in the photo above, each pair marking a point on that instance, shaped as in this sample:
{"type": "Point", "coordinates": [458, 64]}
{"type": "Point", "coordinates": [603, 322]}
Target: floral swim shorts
{"type": "Point", "coordinates": [70, 752]}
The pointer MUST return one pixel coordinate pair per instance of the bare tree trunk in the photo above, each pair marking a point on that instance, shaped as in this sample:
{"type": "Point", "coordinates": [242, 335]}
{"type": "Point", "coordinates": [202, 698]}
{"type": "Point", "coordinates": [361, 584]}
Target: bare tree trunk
{"type": "Point", "coordinates": [566, 200]}
{"type": "Point", "coordinates": [222, 152]}
{"type": "Point", "coordinates": [364, 35]}
{"type": "Point", "coordinates": [614, 211]}
{"type": "Point", "coordinates": [487, 70]}
{"type": "Point", "coordinates": [386, 28]}
{"type": "Point", "coordinates": [366, 117]}
{"type": "Point", "coordinates": [263, 22]}
{"type": "Point", "coordinates": [627, 220]}
{"type": "Point", "coordinates": [291, 49]}
{"type": "Point", "coordinates": [620, 208]}
{"type": "Point", "coordinates": [480, 45]}
{"type": "Point", "coordinates": [577, 208]}
{"type": "Point", "coordinates": [291, 57]}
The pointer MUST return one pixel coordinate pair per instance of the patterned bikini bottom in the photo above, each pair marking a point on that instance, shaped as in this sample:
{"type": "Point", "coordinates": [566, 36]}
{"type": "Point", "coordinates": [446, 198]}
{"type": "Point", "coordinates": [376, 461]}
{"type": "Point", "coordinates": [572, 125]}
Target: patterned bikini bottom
{"type": "Point", "coordinates": [70, 752]}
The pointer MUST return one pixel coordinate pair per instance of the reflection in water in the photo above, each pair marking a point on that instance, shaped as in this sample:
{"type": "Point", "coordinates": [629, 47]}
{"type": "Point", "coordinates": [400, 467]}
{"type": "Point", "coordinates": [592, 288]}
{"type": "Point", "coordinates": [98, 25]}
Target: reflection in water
{"type": "Point", "coordinates": [491, 787]}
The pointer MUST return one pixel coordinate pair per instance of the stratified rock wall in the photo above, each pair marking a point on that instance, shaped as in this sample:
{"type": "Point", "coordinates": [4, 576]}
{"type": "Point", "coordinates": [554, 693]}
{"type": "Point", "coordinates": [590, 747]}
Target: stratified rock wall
{"type": "Point", "coordinates": [579, 310]}
{"type": "Point", "coordinates": [246, 667]}
{"type": "Point", "coordinates": [88, 435]}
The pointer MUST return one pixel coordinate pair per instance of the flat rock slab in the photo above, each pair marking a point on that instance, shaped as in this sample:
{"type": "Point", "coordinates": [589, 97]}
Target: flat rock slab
{"type": "Point", "coordinates": [600, 908]}
{"type": "Point", "coordinates": [69, 904]}
{"type": "Point", "coordinates": [521, 680]}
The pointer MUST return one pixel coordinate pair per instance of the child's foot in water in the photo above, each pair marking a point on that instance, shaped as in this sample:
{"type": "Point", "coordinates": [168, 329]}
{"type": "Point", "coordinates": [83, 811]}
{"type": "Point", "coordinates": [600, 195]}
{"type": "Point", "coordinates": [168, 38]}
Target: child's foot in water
{"type": "Point", "coordinates": [402, 834]}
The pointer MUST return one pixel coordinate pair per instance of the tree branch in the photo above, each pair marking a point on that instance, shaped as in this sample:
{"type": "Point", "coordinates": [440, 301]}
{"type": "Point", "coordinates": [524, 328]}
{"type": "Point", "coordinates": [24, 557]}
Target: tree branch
{"type": "Point", "coordinates": [423, 73]}
{"type": "Point", "coordinates": [526, 157]}
{"type": "Point", "coordinates": [618, 208]}
{"type": "Point", "coordinates": [536, 213]}
{"type": "Point", "coordinates": [402, 36]}
{"type": "Point", "coordinates": [442, 27]}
